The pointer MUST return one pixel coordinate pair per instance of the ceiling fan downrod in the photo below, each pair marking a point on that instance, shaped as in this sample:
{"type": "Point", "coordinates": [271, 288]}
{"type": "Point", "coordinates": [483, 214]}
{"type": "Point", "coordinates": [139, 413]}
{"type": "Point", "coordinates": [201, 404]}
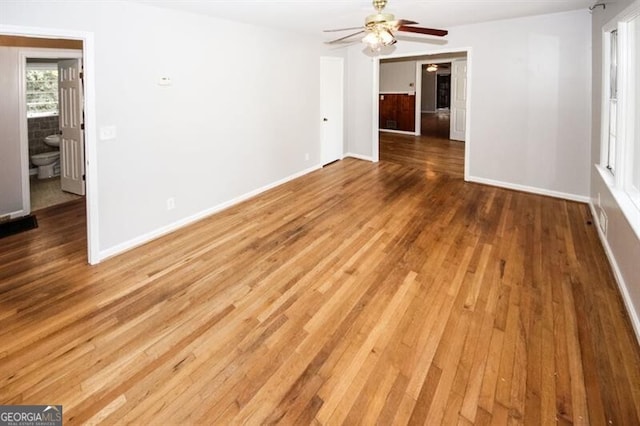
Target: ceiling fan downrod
{"type": "Point", "coordinates": [379, 17]}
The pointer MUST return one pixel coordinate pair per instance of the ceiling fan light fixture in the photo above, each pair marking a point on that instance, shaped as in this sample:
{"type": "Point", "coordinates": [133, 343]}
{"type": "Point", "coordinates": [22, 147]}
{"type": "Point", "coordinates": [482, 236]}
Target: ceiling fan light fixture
{"type": "Point", "coordinates": [379, 28]}
{"type": "Point", "coordinates": [432, 68]}
{"type": "Point", "coordinates": [378, 39]}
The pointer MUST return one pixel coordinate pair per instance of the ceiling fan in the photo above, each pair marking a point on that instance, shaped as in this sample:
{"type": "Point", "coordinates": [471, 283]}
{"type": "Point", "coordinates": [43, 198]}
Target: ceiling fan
{"type": "Point", "coordinates": [380, 28]}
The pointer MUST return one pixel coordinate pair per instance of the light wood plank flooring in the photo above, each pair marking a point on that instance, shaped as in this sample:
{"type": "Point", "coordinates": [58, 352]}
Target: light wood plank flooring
{"type": "Point", "coordinates": [360, 293]}
{"type": "Point", "coordinates": [432, 152]}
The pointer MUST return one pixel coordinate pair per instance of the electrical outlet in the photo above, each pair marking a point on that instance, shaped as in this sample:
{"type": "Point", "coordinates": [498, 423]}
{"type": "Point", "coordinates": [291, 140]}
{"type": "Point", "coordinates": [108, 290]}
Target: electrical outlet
{"type": "Point", "coordinates": [171, 203]}
{"type": "Point", "coordinates": [603, 221]}
{"type": "Point", "coordinates": [306, 156]}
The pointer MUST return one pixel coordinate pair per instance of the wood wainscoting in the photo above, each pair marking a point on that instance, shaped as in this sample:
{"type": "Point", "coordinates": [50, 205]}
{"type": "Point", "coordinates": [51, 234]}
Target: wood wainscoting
{"type": "Point", "coordinates": [397, 111]}
{"type": "Point", "coordinates": [359, 293]}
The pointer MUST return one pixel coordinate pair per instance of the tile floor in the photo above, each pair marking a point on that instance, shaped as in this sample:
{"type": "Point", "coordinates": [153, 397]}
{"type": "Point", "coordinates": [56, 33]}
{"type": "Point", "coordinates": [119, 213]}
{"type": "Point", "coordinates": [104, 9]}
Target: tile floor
{"type": "Point", "coordinates": [47, 192]}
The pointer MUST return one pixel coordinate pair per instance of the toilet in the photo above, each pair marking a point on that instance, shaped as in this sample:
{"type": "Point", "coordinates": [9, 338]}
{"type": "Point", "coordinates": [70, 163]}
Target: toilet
{"type": "Point", "coordinates": [48, 164]}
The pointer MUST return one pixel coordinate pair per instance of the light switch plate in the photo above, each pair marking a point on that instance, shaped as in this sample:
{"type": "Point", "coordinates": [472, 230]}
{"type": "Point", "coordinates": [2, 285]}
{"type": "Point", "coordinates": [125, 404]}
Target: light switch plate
{"type": "Point", "coordinates": [107, 133]}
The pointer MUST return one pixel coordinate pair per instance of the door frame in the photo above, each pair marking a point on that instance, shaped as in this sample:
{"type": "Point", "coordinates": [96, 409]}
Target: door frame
{"type": "Point", "coordinates": [90, 142]}
{"type": "Point", "coordinates": [375, 139]}
{"type": "Point", "coordinates": [25, 53]}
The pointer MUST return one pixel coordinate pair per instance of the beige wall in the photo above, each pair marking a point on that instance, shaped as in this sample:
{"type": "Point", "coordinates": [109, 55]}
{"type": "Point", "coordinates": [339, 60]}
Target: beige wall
{"type": "Point", "coordinates": [623, 243]}
{"type": "Point", "coordinates": [199, 141]}
{"type": "Point", "coordinates": [10, 171]}
{"type": "Point", "coordinates": [398, 76]}
{"type": "Point", "coordinates": [428, 101]}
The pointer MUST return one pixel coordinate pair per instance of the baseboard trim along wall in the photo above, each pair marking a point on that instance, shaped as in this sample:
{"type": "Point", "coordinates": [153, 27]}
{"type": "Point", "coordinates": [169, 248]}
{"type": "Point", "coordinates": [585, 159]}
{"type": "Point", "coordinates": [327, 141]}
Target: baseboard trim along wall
{"type": "Point", "coordinates": [143, 239]}
{"type": "Point", "coordinates": [16, 214]}
{"type": "Point", "coordinates": [626, 297]}
{"type": "Point", "coordinates": [531, 189]}
{"type": "Point", "coordinates": [400, 132]}
{"type": "Point", "coordinates": [359, 156]}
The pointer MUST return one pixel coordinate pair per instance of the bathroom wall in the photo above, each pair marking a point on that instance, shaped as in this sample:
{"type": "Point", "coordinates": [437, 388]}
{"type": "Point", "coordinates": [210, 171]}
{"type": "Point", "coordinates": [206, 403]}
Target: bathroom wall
{"type": "Point", "coordinates": [39, 128]}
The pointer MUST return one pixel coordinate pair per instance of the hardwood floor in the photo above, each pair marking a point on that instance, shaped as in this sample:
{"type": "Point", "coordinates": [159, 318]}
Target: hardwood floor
{"type": "Point", "coordinates": [359, 293]}
{"type": "Point", "coordinates": [432, 152]}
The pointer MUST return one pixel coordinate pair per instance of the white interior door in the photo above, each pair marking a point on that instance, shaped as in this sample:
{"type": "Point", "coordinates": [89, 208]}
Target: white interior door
{"type": "Point", "coordinates": [331, 108]}
{"type": "Point", "coordinates": [458, 100]}
{"type": "Point", "coordinates": [71, 125]}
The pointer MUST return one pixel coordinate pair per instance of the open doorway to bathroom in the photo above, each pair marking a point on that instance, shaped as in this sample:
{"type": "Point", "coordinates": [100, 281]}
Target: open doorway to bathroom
{"type": "Point", "coordinates": [43, 105]}
{"type": "Point", "coordinates": [52, 116]}
{"type": "Point", "coordinates": [17, 44]}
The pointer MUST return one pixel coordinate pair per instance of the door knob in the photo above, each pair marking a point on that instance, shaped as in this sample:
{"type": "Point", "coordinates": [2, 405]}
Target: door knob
{"type": "Point", "coordinates": [325, 119]}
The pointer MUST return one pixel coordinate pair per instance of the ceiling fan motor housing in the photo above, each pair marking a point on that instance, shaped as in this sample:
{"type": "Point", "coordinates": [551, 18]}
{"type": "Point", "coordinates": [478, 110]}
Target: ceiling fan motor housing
{"type": "Point", "coordinates": [378, 18]}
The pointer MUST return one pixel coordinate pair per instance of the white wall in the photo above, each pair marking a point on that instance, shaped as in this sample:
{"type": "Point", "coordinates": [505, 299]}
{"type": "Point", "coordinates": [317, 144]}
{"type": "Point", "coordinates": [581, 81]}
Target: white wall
{"type": "Point", "coordinates": [529, 121]}
{"type": "Point", "coordinates": [398, 77]}
{"type": "Point", "coordinates": [10, 159]}
{"type": "Point", "coordinates": [621, 241]}
{"type": "Point", "coordinates": [238, 117]}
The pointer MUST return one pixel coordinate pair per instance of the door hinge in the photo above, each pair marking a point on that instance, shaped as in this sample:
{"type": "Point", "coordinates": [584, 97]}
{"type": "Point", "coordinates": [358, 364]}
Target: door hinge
{"type": "Point", "coordinates": [84, 177]}
{"type": "Point", "coordinates": [81, 75]}
{"type": "Point", "coordinates": [82, 126]}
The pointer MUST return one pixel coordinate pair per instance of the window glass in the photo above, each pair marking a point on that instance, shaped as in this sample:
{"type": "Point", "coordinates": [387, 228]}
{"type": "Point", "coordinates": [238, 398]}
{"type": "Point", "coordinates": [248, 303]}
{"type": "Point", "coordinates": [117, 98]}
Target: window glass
{"type": "Point", "coordinates": [42, 89]}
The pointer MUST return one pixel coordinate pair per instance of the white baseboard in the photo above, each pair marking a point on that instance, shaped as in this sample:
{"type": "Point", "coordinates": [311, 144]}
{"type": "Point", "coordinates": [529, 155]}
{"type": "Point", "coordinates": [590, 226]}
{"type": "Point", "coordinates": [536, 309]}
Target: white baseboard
{"type": "Point", "coordinates": [143, 239]}
{"type": "Point", "coordinates": [400, 132]}
{"type": "Point", "coordinates": [359, 156]}
{"type": "Point", "coordinates": [531, 189]}
{"type": "Point", "coordinates": [626, 297]}
{"type": "Point", "coordinates": [15, 214]}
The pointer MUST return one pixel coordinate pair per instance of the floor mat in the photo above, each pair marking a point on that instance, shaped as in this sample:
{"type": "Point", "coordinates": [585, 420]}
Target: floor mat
{"type": "Point", "coordinates": [15, 226]}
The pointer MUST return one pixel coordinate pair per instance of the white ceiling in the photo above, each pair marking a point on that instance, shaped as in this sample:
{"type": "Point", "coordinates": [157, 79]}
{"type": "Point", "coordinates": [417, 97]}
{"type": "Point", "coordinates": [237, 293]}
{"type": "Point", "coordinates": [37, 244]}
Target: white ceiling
{"type": "Point", "coordinates": [312, 16]}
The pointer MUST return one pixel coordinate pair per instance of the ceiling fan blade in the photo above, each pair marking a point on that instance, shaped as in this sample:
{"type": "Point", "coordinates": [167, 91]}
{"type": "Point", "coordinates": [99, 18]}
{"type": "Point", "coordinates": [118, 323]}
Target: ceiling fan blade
{"type": "Point", "coordinates": [421, 30]}
{"type": "Point", "coordinates": [341, 29]}
{"type": "Point", "coordinates": [401, 22]}
{"type": "Point", "coordinates": [345, 37]}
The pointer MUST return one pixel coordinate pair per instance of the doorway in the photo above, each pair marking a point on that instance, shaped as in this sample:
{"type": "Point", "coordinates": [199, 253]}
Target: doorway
{"type": "Point", "coordinates": [44, 36]}
{"type": "Point", "coordinates": [53, 101]}
{"type": "Point", "coordinates": [433, 146]}
{"type": "Point", "coordinates": [331, 109]}
{"type": "Point", "coordinates": [435, 99]}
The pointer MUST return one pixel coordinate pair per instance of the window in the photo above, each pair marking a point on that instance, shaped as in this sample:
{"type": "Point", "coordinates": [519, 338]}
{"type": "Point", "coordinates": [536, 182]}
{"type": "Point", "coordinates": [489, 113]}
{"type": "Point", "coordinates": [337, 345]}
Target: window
{"type": "Point", "coordinates": [620, 154]}
{"type": "Point", "coordinates": [613, 101]}
{"type": "Point", "coordinates": [42, 89]}
{"type": "Point", "coordinates": [632, 180]}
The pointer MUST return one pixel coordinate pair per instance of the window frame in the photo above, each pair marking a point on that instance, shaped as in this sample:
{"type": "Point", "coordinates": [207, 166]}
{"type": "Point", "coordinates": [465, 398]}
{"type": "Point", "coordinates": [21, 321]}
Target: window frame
{"type": "Point", "coordinates": [633, 99]}
{"type": "Point", "coordinates": [618, 175]}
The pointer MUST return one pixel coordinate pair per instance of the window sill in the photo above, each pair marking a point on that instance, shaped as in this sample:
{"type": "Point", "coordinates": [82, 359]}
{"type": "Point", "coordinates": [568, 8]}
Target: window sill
{"type": "Point", "coordinates": [42, 114]}
{"type": "Point", "coordinates": [629, 210]}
